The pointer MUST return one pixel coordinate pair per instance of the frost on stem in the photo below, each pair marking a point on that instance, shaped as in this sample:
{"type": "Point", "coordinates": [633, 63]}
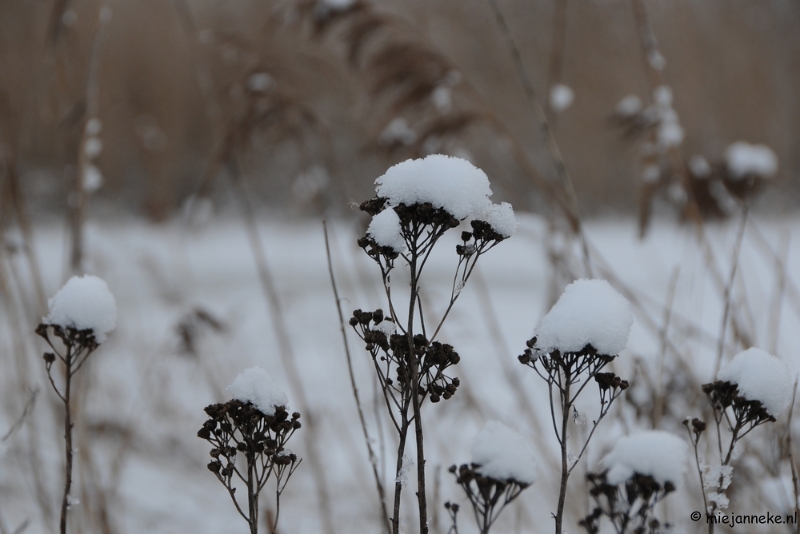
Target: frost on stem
{"type": "Point", "coordinates": [585, 330]}
{"type": "Point", "coordinates": [639, 472]}
{"type": "Point", "coordinates": [502, 467]}
{"type": "Point", "coordinates": [257, 425]}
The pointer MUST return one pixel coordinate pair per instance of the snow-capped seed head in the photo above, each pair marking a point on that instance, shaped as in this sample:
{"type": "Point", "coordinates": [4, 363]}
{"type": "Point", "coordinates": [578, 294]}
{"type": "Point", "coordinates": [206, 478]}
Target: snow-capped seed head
{"type": "Point", "coordinates": [499, 216]}
{"type": "Point", "coordinates": [453, 184]}
{"type": "Point", "coordinates": [760, 376]}
{"type": "Point", "coordinates": [502, 454]}
{"type": "Point", "coordinates": [589, 312]}
{"type": "Point", "coordinates": [385, 230]}
{"type": "Point", "coordinates": [84, 303]}
{"type": "Point", "coordinates": [743, 159]}
{"type": "Point", "coordinates": [654, 453]}
{"type": "Point", "coordinates": [255, 385]}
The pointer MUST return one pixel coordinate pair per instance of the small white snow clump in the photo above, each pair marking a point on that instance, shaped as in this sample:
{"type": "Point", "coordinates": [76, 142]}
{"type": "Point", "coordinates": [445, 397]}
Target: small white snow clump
{"type": "Point", "coordinates": [503, 454]}
{"type": "Point", "coordinates": [385, 230]}
{"type": "Point", "coordinates": [743, 159]}
{"type": "Point", "coordinates": [760, 376]}
{"type": "Point", "coordinates": [654, 453]}
{"type": "Point", "coordinates": [561, 97]}
{"type": "Point", "coordinates": [256, 386]}
{"type": "Point", "coordinates": [449, 183]}
{"type": "Point", "coordinates": [699, 166]}
{"type": "Point", "coordinates": [588, 312]}
{"type": "Point", "coordinates": [386, 326]}
{"type": "Point", "coordinates": [84, 303]}
{"type": "Point", "coordinates": [629, 106]}
{"type": "Point", "coordinates": [500, 217]}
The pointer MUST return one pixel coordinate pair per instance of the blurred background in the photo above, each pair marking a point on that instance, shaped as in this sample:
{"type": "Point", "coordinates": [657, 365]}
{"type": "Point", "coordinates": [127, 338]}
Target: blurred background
{"type": "Point", "coordinates": [326, 95]}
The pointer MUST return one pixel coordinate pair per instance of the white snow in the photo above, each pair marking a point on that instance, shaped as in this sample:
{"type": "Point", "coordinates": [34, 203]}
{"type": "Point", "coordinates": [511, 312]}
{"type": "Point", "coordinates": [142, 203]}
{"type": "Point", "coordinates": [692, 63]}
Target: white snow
{"type": "Point", "coordinates": [500, 217]}
{"type": "Point", "coordinates": [256, 385]}
{"type": "Point", "coordinates": [662, 95]}
{"type": "Point", "coordinates": [260, 82]}
{"type": "Point", "coordinates": [385, 230]}
{"type": "Point", "coordinates": [93, 147]}
{"type": "Point", "coordinates": [762, 377]}
{"type": "Point", "coordinates": [588, 312]}
{"type": "Point", "coordinates": [655, 453]}
{"type": "Point", "coordinates": [84, 303]}
{"type": "Point", "coordinates": [699, 166]}
{"type": "Point", "coordinates": [744, 159]}
{"type": "Point", "coordinates": [561, 97]}
{"type": "Point", "coordinates": [629, 106]}
{"type": "Point", "coordinates": [92, 178]}
{"type": "Point", "coordinates": [386, 326]}
{"type": "Point", "coordinates": [503, 454]}
{"type": "Point", "coordinates": [398, 131]}
{"type": "Point", "coordinates": [93, 126]}
{"type": "Point", "coordinates": [442, 99]}
{"type": "Point", "coordinates": [453, 184]}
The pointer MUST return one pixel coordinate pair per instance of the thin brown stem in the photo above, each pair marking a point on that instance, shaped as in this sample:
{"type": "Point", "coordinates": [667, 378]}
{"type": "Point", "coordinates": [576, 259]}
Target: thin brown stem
{"type": "Point", "coordinates": [728, 289]}
{"type": "Point", "coordinates": [373, 460]}
{"type": "Point", "coordinates": [65, 501]}
{"type": "Point", "coordinates": [562, 492]}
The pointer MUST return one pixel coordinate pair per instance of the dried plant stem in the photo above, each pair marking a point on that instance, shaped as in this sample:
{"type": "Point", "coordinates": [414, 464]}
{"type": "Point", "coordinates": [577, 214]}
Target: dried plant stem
{"type": "Point", "coordinates": [373, 460]}
{"type": "Point", "coordinates": [557, 46]}
{"type": "Point", "coordinates": [572, 214]}
{"type": "Point", "coordinates": [728, 288]}
{"type": "Point", "coordinates": [562, 490]}
{"type": "Point", "coordinates": [422, 499]}
{"type": "Point", "coordinates": [658, 409]}
{"type": "Point", "coordinates": [68, 450]}
{"type": "Point", "coordinates": [92, 105]}
{"type": "Point", "coordinates": [284, 345]}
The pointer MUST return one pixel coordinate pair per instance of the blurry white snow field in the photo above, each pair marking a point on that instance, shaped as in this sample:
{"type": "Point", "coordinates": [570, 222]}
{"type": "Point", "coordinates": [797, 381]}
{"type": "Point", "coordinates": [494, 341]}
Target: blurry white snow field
{"type": "Point", "coordinates": [192, 315]}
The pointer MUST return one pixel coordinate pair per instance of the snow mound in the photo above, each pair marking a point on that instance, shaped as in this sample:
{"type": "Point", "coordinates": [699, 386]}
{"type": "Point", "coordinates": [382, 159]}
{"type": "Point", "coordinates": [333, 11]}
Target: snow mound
{"type": "Point", "coordinates": [385, 230]}
{"type": "Point", "coordinates": [760, 376]}
{"type": "Point", "coordinates": [446, 182]}
{"type": "Point", "coordinates": [453, 184]}
{"type": "Point", "coordinates": [500, 217]}
{"type": "Point", "coordinates": [588, 312]}
{"type": "Point", "coordinates": [502, 454]}
{"type": "Point", "coordinates": [744, 159]}
{"type": "Point", "coordinates": [84, 303]}
{"type": "Point", "coordinates": [655, 453]}
{"type": "Point", "coordinates": [256, 386]}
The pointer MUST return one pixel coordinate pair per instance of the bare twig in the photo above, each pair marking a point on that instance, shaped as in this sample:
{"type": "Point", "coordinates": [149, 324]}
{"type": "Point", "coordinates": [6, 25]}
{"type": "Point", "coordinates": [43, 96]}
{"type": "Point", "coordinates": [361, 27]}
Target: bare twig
{"type": "Point", "coordinates": [728, 287]}
{"type": "Point", "coordinates": [373, 460]}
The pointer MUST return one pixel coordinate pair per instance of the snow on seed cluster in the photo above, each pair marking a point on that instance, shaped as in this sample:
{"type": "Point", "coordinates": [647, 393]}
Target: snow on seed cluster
{"type": "Point", "coordinates": [589, 312]}
{"type": "Point", "coordinates": [760, 376]}
{"type": "Point", "coordinates": [256, 385]}
{"type": "Point", "coordinates": [655, 453]}
{"type": "Point", "coordinates": [449, 183]}
{"type": "Point", "coordinates": [84, 303]}
{"type": "Point", "coordinates": [503, 454]}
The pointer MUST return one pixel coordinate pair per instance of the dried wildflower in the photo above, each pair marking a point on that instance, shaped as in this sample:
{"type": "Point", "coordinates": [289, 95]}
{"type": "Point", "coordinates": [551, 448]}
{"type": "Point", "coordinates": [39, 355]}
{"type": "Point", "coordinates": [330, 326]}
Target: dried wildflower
{"type": "Point", "coordinates": [258, 431]}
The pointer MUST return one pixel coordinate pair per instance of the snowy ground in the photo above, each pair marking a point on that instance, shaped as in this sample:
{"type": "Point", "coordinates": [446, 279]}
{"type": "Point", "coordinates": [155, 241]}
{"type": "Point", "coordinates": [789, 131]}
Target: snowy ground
{"type": "Point", "coordinates": [140, 457]}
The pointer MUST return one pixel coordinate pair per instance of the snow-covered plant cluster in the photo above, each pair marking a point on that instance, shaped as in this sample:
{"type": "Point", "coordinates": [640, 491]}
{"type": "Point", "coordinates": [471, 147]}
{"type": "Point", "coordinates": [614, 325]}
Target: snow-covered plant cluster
{"type": "Point", "coordinates": [583, 332]}
{"type": "Point", "coordinates": [640, 471]}
{"type": "Point", "coordinates": [82, 313]}
{"type": "Point", "coordinates": [256, 425]}
{"type": "Point", "coordinates": [416, 203]}
{"type": "Point", "coordinates": [754, 388]}
{"type": "Point", "coordinates": [502, 467]}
